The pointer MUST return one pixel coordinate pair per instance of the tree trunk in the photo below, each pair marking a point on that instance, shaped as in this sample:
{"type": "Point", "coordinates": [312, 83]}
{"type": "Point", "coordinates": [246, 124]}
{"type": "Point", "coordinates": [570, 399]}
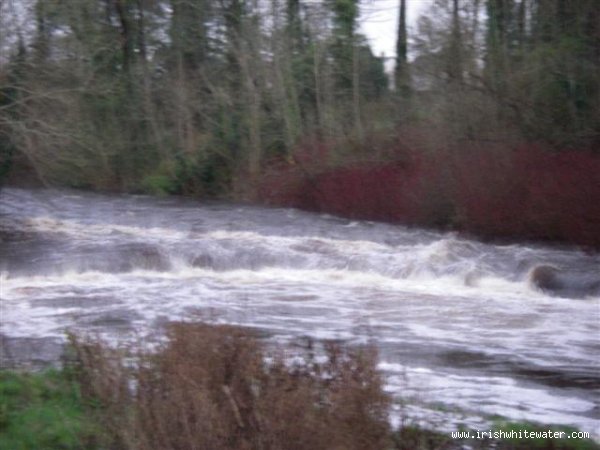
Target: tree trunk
{"type": "Point", "coordinates": [401, 72]}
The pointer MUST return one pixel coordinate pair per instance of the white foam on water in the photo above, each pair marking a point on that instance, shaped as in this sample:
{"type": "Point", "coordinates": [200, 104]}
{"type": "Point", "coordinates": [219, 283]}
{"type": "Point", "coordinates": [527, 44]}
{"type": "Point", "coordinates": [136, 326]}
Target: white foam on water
{"type": "Point", "coordinates": [495, 396]}
{"type": "Point", "coordinates": [328, 279]}
{"type": "Point", "coordinates": [88, 231]}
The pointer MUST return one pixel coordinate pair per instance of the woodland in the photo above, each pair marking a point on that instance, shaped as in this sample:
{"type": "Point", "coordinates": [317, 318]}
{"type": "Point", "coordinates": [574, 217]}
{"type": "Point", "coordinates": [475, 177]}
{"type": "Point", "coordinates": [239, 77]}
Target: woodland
{"type": "Point", "coordinates": [487, 119]}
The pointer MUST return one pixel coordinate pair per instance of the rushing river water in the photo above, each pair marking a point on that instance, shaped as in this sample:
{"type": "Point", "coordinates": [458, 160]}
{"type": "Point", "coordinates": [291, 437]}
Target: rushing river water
{"type": "Point", "coordinates": [462, 332]}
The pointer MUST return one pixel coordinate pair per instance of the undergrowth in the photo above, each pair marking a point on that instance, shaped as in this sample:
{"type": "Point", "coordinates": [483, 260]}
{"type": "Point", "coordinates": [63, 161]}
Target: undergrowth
{"type": "Point", "coordinates": [493, 190]}
{"type": "Point", "coordinates": [213, 387]}
{"type": "Point", "coordinates": [218, 388]}
{"type": "Point", "coordinates": [44, 411]}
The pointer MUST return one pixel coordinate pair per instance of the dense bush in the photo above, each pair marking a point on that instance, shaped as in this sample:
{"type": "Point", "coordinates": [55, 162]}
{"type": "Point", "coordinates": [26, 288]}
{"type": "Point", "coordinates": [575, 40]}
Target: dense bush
{"type": "Point", "coordinates": [522, 192]}
{"type": "Point", "coordinates": [531, 193]}
{"type": "Point", "coordinates": [212, 387]}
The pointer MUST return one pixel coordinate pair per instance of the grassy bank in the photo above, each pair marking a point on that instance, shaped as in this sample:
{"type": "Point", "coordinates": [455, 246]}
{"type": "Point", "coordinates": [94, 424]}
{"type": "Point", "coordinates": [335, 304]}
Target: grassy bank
{"type": "Point", "coordinates": [45, 411]}
{"type": "Point", "coordinates": [219, 388]}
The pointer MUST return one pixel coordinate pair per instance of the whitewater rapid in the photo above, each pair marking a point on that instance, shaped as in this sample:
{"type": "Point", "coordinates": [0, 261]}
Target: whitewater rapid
{"type": "Point", "coordinates": [462, 332]}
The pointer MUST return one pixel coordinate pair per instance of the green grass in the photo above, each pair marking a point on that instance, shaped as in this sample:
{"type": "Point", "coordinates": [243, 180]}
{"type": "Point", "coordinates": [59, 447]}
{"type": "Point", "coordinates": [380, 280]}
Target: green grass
{"type": "Point", "coordinates": [40, 411]}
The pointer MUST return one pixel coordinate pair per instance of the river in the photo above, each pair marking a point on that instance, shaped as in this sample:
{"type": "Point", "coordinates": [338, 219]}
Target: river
{"type": "Point", "coordinates": [463, 334]}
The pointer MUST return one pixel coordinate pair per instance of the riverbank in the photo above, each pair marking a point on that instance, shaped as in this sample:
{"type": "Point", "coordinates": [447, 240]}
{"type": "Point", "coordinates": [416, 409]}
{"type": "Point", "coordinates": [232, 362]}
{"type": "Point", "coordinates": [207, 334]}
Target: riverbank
{"type": "Point", "coordinates": [496, 191]}
{"type": "Point", "coordinates": [211, 385]}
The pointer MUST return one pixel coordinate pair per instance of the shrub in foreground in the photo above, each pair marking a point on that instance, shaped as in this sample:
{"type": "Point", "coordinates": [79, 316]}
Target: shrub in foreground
{"type": "Point", "coordinates": [213, 387]}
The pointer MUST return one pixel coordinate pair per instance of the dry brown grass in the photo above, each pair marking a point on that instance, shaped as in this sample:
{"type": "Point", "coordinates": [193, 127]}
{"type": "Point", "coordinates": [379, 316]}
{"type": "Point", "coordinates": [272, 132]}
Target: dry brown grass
{"type": "Point", "coordinates": [217, 387]}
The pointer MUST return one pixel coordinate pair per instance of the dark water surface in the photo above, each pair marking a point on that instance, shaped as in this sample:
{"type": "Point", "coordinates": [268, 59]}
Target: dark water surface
{"type": "Point", "coordinates": [462, 332]}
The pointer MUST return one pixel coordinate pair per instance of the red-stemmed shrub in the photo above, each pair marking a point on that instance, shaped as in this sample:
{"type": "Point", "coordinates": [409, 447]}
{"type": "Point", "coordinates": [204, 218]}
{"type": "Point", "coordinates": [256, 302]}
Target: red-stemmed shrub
{"type": "Point", "coordinates": [378, 192]}
{"type": "Point", "coordinates": [487, 191]}
{"type": "Point", "coordinates": [529, 192]}
{"type": "Point", "coordinates": [563, 193]}
{"type": "Point", "coordinates": [495, 190]}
